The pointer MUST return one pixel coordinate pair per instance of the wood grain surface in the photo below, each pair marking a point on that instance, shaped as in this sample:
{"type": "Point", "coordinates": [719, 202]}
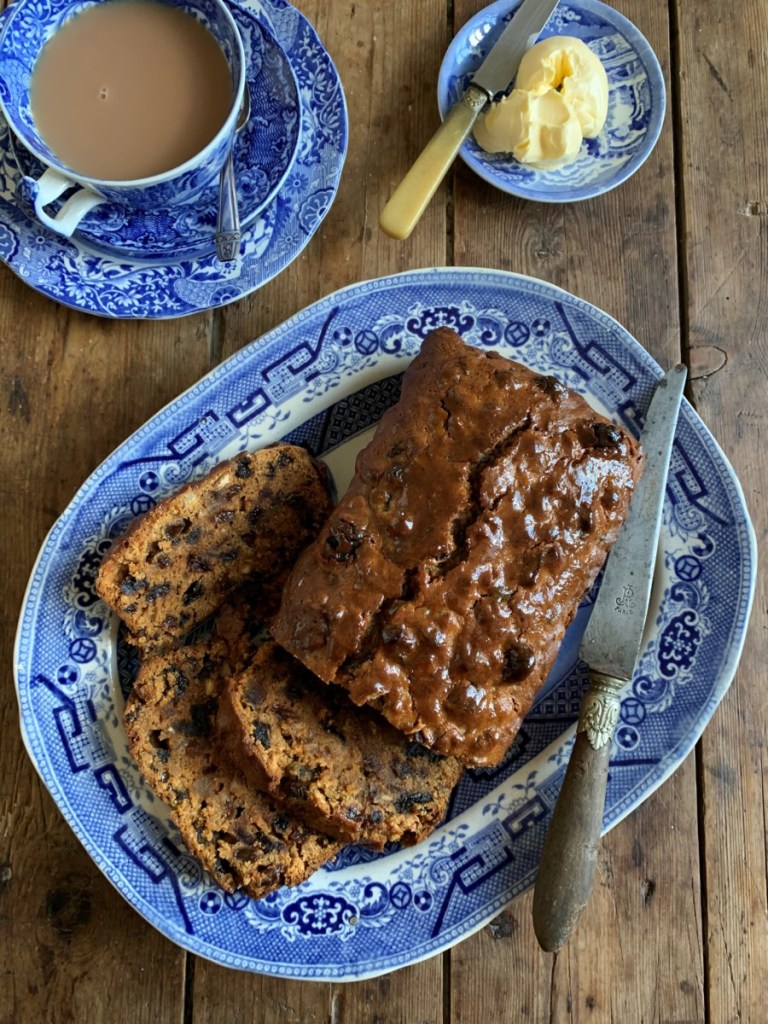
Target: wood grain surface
{"type": "Point", "coordinates": [722, 196]}
{"type": "Point", "coordinates": [677, 930]}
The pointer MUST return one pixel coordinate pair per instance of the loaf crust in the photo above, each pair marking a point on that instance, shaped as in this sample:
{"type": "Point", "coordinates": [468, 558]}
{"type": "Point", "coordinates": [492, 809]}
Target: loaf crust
{"type": "Point", "coordinates": [247, 519]}
{"type": "Point", "coordinates": [342, 770]}
{"type": "Point", "coordinates": [243, 839]}
{"type": "Point", "coordinates": [481, 512]}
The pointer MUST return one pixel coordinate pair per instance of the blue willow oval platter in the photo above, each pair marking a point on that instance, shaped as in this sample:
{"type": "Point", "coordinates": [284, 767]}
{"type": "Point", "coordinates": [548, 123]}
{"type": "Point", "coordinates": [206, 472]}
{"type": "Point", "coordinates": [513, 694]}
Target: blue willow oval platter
{"type": "Point", "coordinates": [636, 101]}
{"type": "Point", "coordinates": [323, 379]}
{"type": "Point", "coordinates": [144, 281]}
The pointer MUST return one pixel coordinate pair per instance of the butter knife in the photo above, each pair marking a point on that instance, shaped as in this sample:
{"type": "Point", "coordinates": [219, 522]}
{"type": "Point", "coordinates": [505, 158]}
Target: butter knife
{"type": "Point", "coordinates": [412, 196]}
{"type": "Point", "coordinates": [610, 647]}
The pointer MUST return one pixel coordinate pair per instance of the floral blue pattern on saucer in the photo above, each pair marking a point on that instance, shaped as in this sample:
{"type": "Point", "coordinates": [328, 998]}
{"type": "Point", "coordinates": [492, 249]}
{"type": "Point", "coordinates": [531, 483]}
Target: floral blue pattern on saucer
{"type": "Point", "coordinates": [148, 284]}
{"type": "Point", "coordinates": [322, 379]}
{"type": "Point", "coordinates": [636, 101]}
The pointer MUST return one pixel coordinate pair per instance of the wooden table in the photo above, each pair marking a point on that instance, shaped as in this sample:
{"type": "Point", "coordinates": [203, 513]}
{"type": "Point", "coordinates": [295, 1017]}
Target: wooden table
{"type": "Point", "coordinates": [677, 929]}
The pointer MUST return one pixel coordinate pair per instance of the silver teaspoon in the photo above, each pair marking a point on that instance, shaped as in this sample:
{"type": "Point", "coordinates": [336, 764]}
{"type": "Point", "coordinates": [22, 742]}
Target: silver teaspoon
{"type": "Point", "coordinates": [228, 222]}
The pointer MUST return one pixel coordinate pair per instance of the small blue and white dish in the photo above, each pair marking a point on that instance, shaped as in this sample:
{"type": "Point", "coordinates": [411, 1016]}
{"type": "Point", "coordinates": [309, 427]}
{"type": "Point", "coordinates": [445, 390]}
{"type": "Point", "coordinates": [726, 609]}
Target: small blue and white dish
{"type": "Point", "coordinates": [323, 379]}
{"type": "Point", "coordinates": [636, 101]}
{"type": "Point", "coordinates": [71, 272]}
{"type": "Point", "coordinates": [264, 152]}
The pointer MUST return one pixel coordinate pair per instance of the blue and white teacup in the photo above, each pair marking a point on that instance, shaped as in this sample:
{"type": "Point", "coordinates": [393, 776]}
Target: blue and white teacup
{"type": "Point", "coordinates": [25, 28]}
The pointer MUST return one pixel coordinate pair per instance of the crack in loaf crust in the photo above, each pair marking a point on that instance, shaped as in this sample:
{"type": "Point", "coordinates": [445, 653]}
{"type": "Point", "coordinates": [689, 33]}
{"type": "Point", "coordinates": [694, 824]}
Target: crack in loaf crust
{"type": "Point", "coordinates": [480, 514]}
{"type": "Point", "coordinates": [242, 838]}
{"type": "Point", "coordinates": [247, 519]}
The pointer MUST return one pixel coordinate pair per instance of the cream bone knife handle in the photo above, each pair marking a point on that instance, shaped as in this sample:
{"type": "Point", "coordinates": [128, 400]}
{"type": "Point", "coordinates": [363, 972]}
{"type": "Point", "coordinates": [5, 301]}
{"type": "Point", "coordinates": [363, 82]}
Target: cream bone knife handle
{"type": "Point", "coordinates": [409, 200]}
{"type": "Point", "coordinates": [495, 74]}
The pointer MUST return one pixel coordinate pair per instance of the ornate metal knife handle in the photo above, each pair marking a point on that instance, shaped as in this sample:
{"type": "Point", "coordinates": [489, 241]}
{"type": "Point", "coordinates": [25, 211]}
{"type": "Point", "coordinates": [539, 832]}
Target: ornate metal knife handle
{"type": "Point", "coordinates": [600, 707]}
{"type": "Point", "coordinates": [574, 832]}
{"type": "Point", "coordinates": [611, 644]}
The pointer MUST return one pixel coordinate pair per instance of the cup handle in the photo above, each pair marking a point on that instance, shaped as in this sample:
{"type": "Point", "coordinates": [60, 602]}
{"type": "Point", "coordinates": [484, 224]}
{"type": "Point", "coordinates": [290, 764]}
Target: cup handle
{"type": "Point", "coordinates": [49, 186]}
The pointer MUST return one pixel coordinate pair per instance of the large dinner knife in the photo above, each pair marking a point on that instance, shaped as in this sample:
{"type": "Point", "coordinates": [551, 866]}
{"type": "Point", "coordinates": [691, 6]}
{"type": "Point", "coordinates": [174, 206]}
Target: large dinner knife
{"type": "Point", "coordinates": [610, 647]}
{"type": "Point", "coordinates": [410, 199]}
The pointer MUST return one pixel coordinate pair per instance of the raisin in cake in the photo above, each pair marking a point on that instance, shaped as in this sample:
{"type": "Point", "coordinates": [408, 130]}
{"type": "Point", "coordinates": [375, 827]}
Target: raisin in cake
{"type": "Point", "coordinates": [242, 838]}
{"type": "Point", "coordinates": [441, 586]}
{"type": "Point", "coordinates": [247, 519]}
{"type": "Point", "coordinates": [343, 770]}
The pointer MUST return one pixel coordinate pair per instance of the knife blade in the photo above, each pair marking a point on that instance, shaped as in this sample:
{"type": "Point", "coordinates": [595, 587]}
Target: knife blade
{"type": "Point", "coordinates": [500, 65]}
{"type": "Point", "coordinates": [495, 74]}
{"type": "Point", "coordinates": [612, 639]}
{"type": "Point", "coordinates": [610, 647]}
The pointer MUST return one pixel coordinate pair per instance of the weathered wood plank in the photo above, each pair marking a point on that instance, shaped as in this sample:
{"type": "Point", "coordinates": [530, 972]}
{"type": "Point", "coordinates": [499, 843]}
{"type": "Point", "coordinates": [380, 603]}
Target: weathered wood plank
{"type": "Point", "coordinates": [229, 997]}
{"type": "Point", "coordinates": [624, 963]}
{"type": "Point", "coordinates": [72, 387]}
{"type": "Point", "coordinates": [723, 85]}
{"type": "Point", "coordinates": [617, 251]}
{"type": "Point", "coordinates": [388, 56]}
{"type": "Point", "coordinates": [410, 995]}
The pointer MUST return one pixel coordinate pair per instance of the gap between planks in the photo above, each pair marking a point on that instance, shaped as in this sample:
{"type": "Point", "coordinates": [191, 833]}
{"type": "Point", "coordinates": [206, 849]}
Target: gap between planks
{"type": "Point", "coordinates": [675, 63]}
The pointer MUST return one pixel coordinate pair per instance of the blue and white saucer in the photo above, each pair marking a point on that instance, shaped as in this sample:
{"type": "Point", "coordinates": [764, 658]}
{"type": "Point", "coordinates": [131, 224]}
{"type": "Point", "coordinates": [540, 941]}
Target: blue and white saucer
{"type": "Point", "coordinates": [323, 379]}
{"type": "Point", "coordinates": [636, 101]}
{"type": "Point", "coordinates": [168, 267]}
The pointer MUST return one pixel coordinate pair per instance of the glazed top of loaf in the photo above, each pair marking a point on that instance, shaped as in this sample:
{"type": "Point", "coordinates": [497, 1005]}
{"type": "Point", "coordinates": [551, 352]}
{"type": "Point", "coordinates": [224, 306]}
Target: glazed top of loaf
{"type": "Point", "coordinates": [479, 515]}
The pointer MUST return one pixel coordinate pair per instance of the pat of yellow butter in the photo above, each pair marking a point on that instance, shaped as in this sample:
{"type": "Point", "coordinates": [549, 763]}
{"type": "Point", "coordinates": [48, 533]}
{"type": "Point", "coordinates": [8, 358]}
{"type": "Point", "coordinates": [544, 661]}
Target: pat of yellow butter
{"type": "Point", "coordinates": [537, 129]}
{"type": "Point", "coordinates": [568, 65]}
{"type": "Point", "coordinates": [560, 97]}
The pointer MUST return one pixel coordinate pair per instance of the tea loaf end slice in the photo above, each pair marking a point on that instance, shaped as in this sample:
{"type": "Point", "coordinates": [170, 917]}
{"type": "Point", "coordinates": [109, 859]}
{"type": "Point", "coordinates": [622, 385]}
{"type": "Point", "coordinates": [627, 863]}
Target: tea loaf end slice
{"type": "Point", "coordinates": [248, 519]}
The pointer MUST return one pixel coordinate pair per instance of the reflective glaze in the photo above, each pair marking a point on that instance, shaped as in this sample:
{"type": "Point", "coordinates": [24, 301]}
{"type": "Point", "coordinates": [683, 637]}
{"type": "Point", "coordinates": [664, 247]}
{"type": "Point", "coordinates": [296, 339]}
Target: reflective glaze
{"type": "Point", "coordinates": [480, 515]}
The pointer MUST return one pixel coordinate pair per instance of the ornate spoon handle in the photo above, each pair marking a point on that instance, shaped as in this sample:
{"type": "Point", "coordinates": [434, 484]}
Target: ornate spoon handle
{"type": "Point", "coordinates": [228, 226]}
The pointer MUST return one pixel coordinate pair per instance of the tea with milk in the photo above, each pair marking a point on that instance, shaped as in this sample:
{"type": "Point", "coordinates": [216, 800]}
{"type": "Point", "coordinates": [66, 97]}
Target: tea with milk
{"type": "Point", "coordinates": [129, 89]}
